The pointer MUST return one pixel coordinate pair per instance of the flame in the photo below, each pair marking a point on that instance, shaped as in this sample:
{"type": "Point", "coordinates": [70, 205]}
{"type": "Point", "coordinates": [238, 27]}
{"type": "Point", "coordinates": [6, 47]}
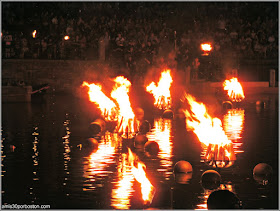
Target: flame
{"type": "Point", "coordinates": [161, 92]}
{"type": "Point", "coordinates": [126, 116]}
{"type": "Point", "coordinates": [234, 89]}
{"type": "Point", "coordinates": [206, 47]}
{"type": "Point", "coordinates": [147, 189]}
{"type": "Point", "coordinates": [218, 149]}
{"type": "Point", "coordinates": [34, 33]}
{"type": "Point", "coordinates": [66, 37]}
{"type": "Point", "coordinates": [108, 107]}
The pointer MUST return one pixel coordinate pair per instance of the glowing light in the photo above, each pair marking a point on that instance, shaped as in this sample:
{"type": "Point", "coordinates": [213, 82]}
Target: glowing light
{"type": "Point", "coordinates": [234, 89]}
{"type": "Point", "coordinates": [108, 107]}
{"type": "Point", "coordinates": [218, 149]}
{"type": "Point", "coordinates": [34, 33]}
{"type": "Point", "coordinates": [147, 189]}
{"type": "Point", "coordinates": [126, 117]}
{"type": "Point", "coordinates": [161, 92]}
{"type": "Point", "coordinates": [66, 37]}
{"type": "Point", "coordinates": [206, 47]}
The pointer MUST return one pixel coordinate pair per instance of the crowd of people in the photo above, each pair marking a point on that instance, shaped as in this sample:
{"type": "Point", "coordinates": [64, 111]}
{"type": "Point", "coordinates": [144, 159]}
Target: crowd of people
{"type": "Point", "coordinates": [138, 33]}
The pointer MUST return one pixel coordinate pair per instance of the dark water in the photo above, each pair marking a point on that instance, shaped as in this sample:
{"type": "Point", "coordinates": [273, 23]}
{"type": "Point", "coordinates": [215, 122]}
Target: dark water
{"type": "Point", "coordinates": [43, 162]}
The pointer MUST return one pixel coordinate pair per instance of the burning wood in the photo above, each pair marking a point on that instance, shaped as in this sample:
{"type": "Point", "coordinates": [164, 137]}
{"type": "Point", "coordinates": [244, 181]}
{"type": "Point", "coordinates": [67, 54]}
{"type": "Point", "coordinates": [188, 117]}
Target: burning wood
{"type": "Point", "coordinates": [126, 118]}
{"type": "Point", "coordinates": [218, 148]}
{"type": "Point", "coordinates": [147, 189]}
{"type": "Point", "coordinates": [161, 92]}
{"type": "Point", "coordinates": [234, 89]}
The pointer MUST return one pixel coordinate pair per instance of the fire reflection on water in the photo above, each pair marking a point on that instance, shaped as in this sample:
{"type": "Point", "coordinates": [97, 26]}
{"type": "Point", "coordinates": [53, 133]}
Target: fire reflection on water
{"type": "Point", "coordinates": [161, 133]}
{"type": "Point", "coordinates": [205, 195]}
{"type": "Point", "coordinates": [97, 163]}
{"type": "Point", "coordinates": [123, 186]}
{"type": "Point", "coordinates": [233, 124]}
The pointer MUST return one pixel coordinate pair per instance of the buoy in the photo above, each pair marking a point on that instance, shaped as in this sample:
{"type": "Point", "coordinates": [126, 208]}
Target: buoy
{"type": "Point", "coordinates": [151, 148]}
{"type": "Point", "coordinates": [145, 127]}
{"type": "Point", "coordinates": [210, 179]}
{"type": "Point", "coordinates": [182, 166]}
{"type": "Point", "coordinates": [91, 144]}
{"type": "Point", "coordinates": [262, 173]}
{"type": "Point", "coordinates": [139, 113]}
{"type": "Point", "coordinates": [168, 114]}
{"type": "Point", "coordinates": [139, 141]}
{"type": "Point", "coordinates": [227, 105]}
{"type": "Point", "coordinates": [223, 199]}
{"type": "Point", "coordinates": [97, 126]}
{"type": "Point", "coordinates": [183, 178]}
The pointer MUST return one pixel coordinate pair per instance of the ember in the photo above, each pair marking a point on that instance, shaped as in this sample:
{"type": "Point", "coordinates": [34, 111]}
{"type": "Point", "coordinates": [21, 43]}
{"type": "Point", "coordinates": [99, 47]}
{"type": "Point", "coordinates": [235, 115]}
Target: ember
{"type": "Point", "coordinates": [234, 90]}
{"type": "Point", "coordinates": [161, 92]}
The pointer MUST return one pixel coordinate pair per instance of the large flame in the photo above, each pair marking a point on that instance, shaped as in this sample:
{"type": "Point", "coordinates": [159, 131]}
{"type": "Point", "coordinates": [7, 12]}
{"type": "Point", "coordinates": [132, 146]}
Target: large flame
{"type": "Point", "coordinates": [234, 89]}
{"type": "Point", "coordinates": [218, 149]}
{"type": "Point", "coordinates": [126, 117]}
{"type": "Point", "coordinates": [147, 189]}
{"type": "Point", "coordinates": [161, 92]}
{"type": "Point", "coordinates": [106, 105]}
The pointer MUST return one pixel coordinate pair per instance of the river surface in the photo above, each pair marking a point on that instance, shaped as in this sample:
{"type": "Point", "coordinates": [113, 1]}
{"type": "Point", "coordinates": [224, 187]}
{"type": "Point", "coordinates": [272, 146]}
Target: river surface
{"type": "Point", "coordinates": [43, 161]}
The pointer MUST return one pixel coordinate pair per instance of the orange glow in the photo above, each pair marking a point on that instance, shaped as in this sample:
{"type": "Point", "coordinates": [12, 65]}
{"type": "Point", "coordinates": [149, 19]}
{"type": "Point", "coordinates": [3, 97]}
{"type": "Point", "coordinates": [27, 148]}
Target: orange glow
{"type": "Point", "coordinates": [206, 47]}
{"type": "Point", "coordinates": [147, 189]}
{"type": "Point", "coordinates": [161, 92]}
{"type": "Point", "coordinates": [34, 33]}
{"type": "Point", "coordinates": [218, 149]}
{"type": "Point", "coordinates": [234, 89]}
{"type": "Point", "coordinates": [97, 163]}
{"type": "Point", "coordinates": [126, 116]}
{"type": "Point", "coordinates": [66, 37]}
{"type": "Point", "coordinates": [161, 133]}
{"type": "Point", "coordinates": [108, 107]}
{"type": "Point", "coordinates": [233, 125]}
{"type": "Point", "coordinates": [123, 191]}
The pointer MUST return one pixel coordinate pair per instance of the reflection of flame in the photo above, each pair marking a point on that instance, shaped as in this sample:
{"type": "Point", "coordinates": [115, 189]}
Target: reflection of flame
{"type": "Point", "coordinates": [126, 115]}
{"type": "Point", "coordinates": [161, 92]}
{"type": "Point", "coordinates": [147, 189]}
{"type": "Point", "coordinates": [161, 133]}
{"type": "Point", "coordinates": [98, 162]}
{"type": "Point", "coordinates": [121, 195]}
{"type": "Point", "coordinates": [234, 89]}
{"type": "Point", "coordinates": [205, 195]}
{"type": "Point", "coordinates": [107, 106]}
{"type": "Point", "coordinates": [233, 126]}
{"type": "Point", "coordinates": [219, 150]}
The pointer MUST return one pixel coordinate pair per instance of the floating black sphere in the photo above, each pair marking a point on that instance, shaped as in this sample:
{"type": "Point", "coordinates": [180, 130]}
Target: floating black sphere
{"type": "Point", "coordinates": [262, 173]}
{"type": "Point", "coordinates": [151, 148]}
{"type": "Point", "coordinates": [168, 114]}
{"type": "Point", "coordinates": [223, 199]}
{"type": "Point", "coordinates": [210, 179]}
{"type": "Point", "coordinates": [227, 105]}
{"type": "Point", "coordinates": [139, 141]}
{"type": "Point", "coordinates": [145, 127]}
{"type": "Point", "coordinates": [182, 166]}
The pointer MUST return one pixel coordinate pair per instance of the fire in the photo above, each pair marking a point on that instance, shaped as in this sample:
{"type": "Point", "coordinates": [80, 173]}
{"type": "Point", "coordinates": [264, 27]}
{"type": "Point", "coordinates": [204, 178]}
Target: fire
{"type": "Point", "coordinates": [234, 89]}
{"type": "Point", "coordinates": [218, 148]}
{"type": "Point", "coordinates": [147, 189]}
{"type": "Point", "coordinates": [66, 37]}
{"type": "Point", "coordinates": [34, 33]}
{"type": "Point", "coordinates": [108, 107]}
{"type": "Point", "coordinates": [206, 47]}
{"type": "Point", "coordinates": [161, 92]}
{"type": "Point", "coordinates": [126, 116]}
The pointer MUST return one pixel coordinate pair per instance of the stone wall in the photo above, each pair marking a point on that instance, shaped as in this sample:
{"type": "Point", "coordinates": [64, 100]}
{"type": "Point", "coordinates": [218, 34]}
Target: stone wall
{"type": "Point", "coordinates": [61, 75]}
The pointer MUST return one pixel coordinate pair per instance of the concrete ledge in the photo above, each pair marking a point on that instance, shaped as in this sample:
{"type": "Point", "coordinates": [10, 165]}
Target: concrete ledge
{"type": "Point", "coordinates": [244, 84]}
